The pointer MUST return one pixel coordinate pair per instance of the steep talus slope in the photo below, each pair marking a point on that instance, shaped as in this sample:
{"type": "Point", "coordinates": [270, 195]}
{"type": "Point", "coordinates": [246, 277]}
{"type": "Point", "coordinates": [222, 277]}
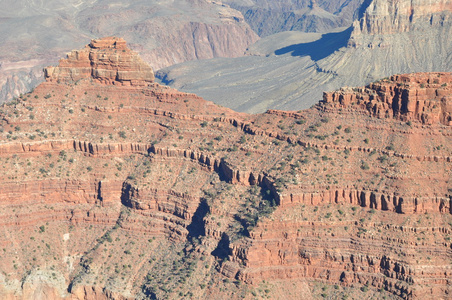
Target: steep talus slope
{"type": "Point", "coordinates": [116, 187]}
{"type": "Point", "coordinates": [391, 37]}
{"type": "Point", "coordinates": [36, 33]}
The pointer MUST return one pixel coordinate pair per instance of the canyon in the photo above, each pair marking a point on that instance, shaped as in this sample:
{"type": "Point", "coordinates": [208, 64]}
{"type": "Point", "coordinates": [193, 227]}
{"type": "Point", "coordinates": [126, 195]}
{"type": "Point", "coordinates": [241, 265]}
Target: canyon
{"type": "Point", "coordinates": [291, 70]}
{"type": "Point", "coordinates": [260, 51]}
{"type": "Point", "coordinates": [117, 187]}
{"type": "Point", "coordinates": [36, 34]}
{"type": "Point", "coordinates": [270, 17]}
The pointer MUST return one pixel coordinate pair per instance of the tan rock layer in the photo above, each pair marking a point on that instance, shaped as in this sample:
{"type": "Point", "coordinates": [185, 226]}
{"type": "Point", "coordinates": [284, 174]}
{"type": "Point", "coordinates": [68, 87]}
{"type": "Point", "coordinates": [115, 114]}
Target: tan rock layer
{"type": "Point", "coordinates": [393, 16]}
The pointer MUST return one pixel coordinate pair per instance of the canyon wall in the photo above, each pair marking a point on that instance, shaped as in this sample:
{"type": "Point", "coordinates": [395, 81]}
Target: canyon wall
{"type": "Point", "coordinates": [116, 187]}
{"type": "Point", "coordinates": [425, 98]}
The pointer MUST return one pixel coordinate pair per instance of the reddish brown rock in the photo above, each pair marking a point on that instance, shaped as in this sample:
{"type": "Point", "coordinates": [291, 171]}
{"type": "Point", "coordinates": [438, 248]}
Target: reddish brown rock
{"type": "Point", "coordinates": [106, 60]}
{"type": "Point", "coordinates": [422, 97]}
{"type": "Point", "coordinates": [114, 190]}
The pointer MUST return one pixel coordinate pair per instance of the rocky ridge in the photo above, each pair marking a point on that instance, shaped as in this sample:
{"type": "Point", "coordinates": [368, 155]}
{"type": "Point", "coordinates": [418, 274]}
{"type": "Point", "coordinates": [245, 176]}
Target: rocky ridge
{"type": "Point", "coordinates": [113, 190]}
{"type": "Point", "coordinates": [425, 98]}
{"type": "Point", "coordinates": [269, 17]}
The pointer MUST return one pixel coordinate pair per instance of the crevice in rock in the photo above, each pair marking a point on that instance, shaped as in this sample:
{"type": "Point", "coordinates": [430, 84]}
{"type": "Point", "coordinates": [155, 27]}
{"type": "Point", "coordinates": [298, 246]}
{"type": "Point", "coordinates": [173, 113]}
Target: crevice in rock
{"type": "Point", "coordinates": [196, 227]}
{"type": "Point", "coordinates": [99, 191]}
{"type": "Point", "coordinates": [125, 194]}
{"type": "Point", "coordinates": [363, 8]}
{"type": "Point", "coordinates": [222, 251]}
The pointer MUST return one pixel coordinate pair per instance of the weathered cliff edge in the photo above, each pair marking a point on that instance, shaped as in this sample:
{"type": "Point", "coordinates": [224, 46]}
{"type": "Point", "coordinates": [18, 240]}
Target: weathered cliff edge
{"type": "Point", "coordinates": [107, 61]}
{"type": "Point", "coordinates": [115, 187]}
{"type": "Point", "coordinates": [424, 97]}
{"type": "Point", "coordinates": [396, 16]}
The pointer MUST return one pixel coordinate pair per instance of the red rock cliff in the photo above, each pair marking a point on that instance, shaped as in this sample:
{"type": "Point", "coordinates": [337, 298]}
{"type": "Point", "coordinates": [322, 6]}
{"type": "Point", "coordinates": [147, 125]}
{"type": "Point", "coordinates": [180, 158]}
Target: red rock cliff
{"type": "Point", "coordinates": [422, 97]}
{"type": "Point", "coordinates": [115, 187]}
{"type": "Point", "coordinates": [105, 60]}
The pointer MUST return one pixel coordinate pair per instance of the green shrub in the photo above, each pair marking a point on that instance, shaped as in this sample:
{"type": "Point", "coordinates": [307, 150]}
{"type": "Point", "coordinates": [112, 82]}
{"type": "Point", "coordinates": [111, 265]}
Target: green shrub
{"type": "Point", "coordinates": [300, 122]}
{"type": "Point", "coordinates": [364, 166]}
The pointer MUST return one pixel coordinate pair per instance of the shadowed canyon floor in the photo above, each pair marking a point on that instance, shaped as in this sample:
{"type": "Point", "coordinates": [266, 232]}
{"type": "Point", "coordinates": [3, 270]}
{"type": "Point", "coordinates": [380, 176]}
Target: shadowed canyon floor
{"type": "Point", "coordinates": [116, 187]}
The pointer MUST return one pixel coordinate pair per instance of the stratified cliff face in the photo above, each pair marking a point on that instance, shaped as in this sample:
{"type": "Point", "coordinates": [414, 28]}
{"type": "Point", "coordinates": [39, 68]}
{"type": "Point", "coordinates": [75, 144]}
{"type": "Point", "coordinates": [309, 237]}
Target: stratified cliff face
{"type": "Point", "coordinates": [396, 16]}
{"type": "Point", "coordinates": [384, 20]}
{"type": "Point", "coordinates": [425, 98]}
{"type": "Point", "coordinates": [98, 62]}
{"type": "Point", "coordinates": [116, 187]}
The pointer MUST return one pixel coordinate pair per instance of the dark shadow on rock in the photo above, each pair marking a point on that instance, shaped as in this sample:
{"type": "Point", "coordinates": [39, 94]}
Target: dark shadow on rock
{"type": "Point", "coordinates": [321, 48]}
{"type": "Point", "coordinates": [125, 194]}
{"type": "Point", "coordinates": [196, 227]}
{"type": "Point", "coordinates": [363, 7]}
{"type": "Point", "coordinates": [222, 251]}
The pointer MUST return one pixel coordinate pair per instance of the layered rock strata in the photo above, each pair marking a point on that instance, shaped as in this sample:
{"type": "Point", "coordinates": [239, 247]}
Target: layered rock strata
{"type": "Point", "coordinates": [164, 33]}
{"type": "Point", "coordinates": [97, 62]}
{"type": "Point", "coordinates": [116, 187]}
{"type": "Point", "coordinates": [395, 16]}
{"type": "Point", "coordinates": [422, 97]}
{"type": "Point", "coordinates": [290, 71]}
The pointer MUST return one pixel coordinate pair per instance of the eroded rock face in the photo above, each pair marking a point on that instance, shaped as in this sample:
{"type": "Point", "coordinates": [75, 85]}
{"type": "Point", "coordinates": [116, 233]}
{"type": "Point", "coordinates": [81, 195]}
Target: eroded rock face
{"type": "Point", "coordinates": [269, 17]}
{"type": "Point", "coordinates": [106, 60]}
{"type": "Point", "coordinates": [116, 187]}
{"type": "Point", "coordinates": [396, 16]}
{"type": "Point", "coordinates": [422, 97]}
{"type": "Point", "coordinates": [390, 40]}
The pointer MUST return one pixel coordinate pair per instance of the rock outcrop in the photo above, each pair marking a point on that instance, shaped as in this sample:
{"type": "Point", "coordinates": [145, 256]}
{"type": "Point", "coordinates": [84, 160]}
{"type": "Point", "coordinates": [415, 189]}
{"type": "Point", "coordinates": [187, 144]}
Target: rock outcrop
{"type": "Point", "coordinates": [396, 16]}
{"type": "Point", "coordinates": [98, 62]}
{"type": "Point", "coordinates": [422, 97]}
{"type": "Point", "coordinates": [116, 187]}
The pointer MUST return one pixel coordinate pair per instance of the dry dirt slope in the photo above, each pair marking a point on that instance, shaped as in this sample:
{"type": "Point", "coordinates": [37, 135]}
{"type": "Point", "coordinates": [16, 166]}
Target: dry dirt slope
{"type": "Point", "coordinates": [115, 187]}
